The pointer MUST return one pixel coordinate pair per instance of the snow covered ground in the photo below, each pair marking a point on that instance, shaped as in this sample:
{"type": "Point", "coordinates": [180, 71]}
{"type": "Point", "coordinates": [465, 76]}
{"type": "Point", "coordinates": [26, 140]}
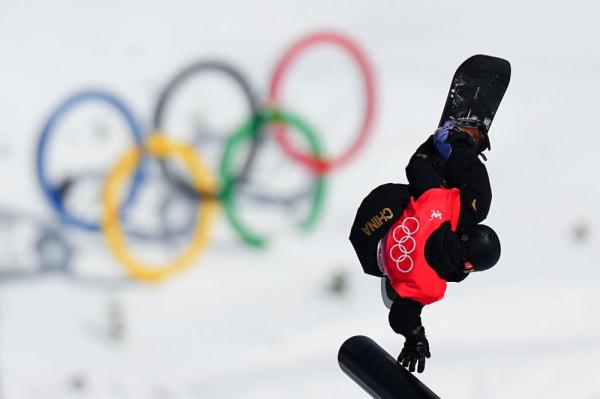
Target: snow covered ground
{"type": "Point", "coordinates": [243, 323]}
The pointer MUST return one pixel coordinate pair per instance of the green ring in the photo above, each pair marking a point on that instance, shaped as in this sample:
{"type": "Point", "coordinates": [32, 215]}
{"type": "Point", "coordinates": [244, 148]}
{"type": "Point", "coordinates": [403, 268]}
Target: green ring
{"type": "Point", "coordinates": [246, 132]}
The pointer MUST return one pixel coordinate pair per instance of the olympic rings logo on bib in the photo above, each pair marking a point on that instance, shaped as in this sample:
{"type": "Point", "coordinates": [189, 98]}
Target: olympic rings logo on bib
{"type": "Point", "coordinates": [405, 245]}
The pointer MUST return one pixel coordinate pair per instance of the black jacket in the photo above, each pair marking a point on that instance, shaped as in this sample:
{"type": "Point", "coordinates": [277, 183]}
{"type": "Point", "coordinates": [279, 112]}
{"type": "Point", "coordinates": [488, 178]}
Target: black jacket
{"type": "Point", "coordinates": [465, 171]}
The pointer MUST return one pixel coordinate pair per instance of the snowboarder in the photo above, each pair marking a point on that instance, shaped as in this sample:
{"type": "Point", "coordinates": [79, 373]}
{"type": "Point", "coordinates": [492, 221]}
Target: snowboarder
{"type": "Point", "coordinates": [418, 237]}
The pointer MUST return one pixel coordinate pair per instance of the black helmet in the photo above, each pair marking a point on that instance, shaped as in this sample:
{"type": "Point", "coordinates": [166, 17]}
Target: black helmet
{"type": "Point", "coordinates": [481, 246]}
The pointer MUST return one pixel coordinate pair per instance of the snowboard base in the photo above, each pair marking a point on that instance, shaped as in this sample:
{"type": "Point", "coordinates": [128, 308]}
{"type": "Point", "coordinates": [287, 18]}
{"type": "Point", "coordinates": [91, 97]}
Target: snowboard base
{"type": "Point", "coordinates": [476, 91]}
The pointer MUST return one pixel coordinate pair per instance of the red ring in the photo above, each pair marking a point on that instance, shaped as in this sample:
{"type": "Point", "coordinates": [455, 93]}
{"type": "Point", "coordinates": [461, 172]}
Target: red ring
{"type": "Point", "coordinates": [316, 164]}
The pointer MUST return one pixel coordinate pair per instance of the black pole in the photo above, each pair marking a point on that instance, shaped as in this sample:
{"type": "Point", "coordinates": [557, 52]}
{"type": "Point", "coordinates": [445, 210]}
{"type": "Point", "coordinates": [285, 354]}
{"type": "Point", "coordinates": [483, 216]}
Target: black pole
{"type": "Point", "coordinates": [371, 367]}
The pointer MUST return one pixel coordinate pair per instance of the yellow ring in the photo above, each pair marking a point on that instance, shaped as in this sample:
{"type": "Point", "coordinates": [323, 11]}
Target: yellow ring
{"type": "Point", "coordinates": [160, 147]}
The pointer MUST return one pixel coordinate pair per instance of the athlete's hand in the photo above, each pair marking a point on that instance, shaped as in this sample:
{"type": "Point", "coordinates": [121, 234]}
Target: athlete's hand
{"type": "Point", "coordinates": [478, 137]}
{"type": "Point", "coordinates": [461, 138]}
{"type": "Point", "coordinates": [463, 145]}
{"type": "Point", "coordinates": [416, 349]}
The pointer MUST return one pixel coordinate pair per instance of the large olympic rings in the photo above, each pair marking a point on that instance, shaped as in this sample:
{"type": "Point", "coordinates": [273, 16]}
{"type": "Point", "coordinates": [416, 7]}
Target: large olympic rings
{"type": "Point", "coordinates": [321, 164]}
{"type": "Point", "coordinates": [54, 193]}
{"type": "Point", "coordinates": [160, 147]}
{"type": "Point", "coordinates": [203, 187]}
{"type": "Point", "coordinates": [228, 179]}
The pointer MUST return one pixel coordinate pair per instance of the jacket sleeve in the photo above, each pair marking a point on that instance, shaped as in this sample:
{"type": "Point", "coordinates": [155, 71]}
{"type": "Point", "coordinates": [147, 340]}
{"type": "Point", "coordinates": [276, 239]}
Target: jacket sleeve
{"type": "Point", "coordinates": [405, 315]}
{"type": "Point", "coordinates": [465, 171]}
{"type": "Point", "coordinates": [425, 169]}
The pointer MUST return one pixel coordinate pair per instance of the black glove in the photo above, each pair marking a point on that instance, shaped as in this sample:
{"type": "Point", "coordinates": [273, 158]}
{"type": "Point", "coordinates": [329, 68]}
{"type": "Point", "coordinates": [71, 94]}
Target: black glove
{"type": "Point", "coordinates": [463, 146]}
{"type": "Point", "coordinates": [416, 349]}
{"type": "Point", "coordinates": [460, 138]}
{"type": "Point", "coordinates": [468, 138]}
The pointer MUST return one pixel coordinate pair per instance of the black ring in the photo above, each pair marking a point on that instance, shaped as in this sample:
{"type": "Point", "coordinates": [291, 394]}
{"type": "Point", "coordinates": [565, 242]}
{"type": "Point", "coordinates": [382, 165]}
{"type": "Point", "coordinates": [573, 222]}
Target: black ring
{"type": "Point", "coordinates": [254, 106]}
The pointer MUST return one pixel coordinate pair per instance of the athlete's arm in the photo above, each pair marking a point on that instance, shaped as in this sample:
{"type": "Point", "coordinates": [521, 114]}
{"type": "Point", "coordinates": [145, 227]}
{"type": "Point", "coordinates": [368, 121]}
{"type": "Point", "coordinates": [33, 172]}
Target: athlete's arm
{"type": "Point", "coordinates": [425, 169]}
{"type": "Point", "coordinates": [465, 171]}
{"type": "Point", "coordinates": [405, 319]}
{"type": "Point", "coordinates": [405, 315]}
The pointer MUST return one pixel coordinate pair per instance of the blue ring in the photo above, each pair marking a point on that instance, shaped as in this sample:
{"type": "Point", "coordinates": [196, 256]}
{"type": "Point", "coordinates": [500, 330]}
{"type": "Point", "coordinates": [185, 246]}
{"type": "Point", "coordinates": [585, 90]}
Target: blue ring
{"type": "Point", "coordinates": [51, 192]}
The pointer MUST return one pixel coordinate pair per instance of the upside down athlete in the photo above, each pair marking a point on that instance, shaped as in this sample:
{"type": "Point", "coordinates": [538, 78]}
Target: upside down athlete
{"type": "Point", "coordinates": [418, 237]}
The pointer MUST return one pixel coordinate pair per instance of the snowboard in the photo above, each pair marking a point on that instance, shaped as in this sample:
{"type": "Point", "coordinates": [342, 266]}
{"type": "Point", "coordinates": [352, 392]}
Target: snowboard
{"type": "Point", "coordinates": [477, 89]}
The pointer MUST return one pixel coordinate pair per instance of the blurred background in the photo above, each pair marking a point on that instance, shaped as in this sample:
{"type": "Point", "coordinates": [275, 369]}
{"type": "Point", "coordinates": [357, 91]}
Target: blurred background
{"type": "Point", "coordinates": [246, 320]}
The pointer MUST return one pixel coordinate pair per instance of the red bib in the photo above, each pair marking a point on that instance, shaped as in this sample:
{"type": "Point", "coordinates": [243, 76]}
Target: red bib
{"type": "Point", "coordinates": [403, 248]}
